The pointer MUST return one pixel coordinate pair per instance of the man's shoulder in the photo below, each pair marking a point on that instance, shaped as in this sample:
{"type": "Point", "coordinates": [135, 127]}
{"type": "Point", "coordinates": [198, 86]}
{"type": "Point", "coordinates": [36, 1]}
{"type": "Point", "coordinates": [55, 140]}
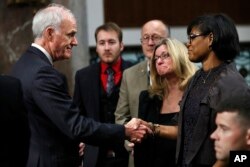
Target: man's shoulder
{"type": "Point", "coordinates": [9, 84]}
{"type": "Point", "coordinates": [89, 68]}
{"type": "Point", "coordinates": [6, 79]}
{"type": "Point", "coordinates": [140, 66]}
{"type": "Point", "coordinates": [126, 64]}
{"type": "Point", "coordinates": [10, 88]}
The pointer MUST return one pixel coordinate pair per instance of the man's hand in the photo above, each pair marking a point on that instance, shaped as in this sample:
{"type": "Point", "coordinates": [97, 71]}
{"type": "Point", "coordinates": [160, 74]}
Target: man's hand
{"type": "Point", "coordinates": [81, 149]}
{"type": "Point", "coordinates": [136, 130]}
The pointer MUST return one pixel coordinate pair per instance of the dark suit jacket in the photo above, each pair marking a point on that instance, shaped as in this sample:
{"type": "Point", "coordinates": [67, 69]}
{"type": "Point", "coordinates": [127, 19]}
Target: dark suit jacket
{"type": "Point", "coordinates": [13, 124]}
{"type": "Point", "coordinates": [55, 122]}
{"type": "Point", "coordinates": [87, 95]}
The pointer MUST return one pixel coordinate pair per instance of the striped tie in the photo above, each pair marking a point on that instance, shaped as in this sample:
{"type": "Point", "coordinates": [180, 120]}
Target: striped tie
{"type": "Point", "coordinates": [110, 81]}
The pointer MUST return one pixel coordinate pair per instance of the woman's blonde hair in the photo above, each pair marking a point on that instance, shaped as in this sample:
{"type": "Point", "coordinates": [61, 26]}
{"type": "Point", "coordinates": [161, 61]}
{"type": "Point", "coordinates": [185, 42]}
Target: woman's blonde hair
{"type": "Point", "coordinates": [183, 67]}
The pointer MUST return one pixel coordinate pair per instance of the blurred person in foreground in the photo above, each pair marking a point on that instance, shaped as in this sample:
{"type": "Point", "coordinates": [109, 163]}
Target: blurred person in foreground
{"type": "Point", "coordinates": [214, 42]}
{"type": "Point", "coordinates": [56, 124]}
{"type": "Point", "coordinates": [170, 73]}
{"type": "Point", "coordinates": [233, 127]}
{"type": "Point", "coordinates": [13, 124]}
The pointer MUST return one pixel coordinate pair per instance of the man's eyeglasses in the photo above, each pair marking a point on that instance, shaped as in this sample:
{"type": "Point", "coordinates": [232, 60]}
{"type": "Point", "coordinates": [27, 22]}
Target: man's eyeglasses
{"type": "Point", "coordinates": [191, 37]}
{"type": "Point", "coordinates": [162, 57]}
{"type": "Point", "coordinates": [155, 38]}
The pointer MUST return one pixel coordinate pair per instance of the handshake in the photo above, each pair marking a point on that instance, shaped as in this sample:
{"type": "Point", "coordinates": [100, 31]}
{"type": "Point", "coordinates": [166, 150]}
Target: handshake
{"type": "Point", "coordinates": [137, 129]}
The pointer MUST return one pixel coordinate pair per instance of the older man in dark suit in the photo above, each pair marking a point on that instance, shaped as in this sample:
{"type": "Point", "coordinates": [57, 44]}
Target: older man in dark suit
{"type": "Point", "coordinates": [13, 124]}
{"type": "Point", "coordinates": [55, 122]}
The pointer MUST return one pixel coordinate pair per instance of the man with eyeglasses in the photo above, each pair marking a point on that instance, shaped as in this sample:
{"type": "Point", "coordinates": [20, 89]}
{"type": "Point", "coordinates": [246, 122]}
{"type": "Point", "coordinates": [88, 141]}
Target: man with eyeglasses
{"type": "Point", "coordinates": [136, 78]}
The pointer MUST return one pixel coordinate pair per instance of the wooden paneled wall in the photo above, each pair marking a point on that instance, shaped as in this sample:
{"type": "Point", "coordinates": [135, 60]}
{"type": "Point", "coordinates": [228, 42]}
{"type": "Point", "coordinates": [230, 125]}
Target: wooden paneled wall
{"type": "Point", "coordinates": [134, 13]}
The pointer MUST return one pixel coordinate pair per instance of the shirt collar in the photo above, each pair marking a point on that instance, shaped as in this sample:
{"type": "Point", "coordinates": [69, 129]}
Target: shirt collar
{"type": "Point", "coordinates": [44, 51]}
{"type": "Point", "coordinates": [148, 72]}
{"type": "Point", "coordinates": [116, 67]}
{"type": "Point", "coordinates": [148, 66]}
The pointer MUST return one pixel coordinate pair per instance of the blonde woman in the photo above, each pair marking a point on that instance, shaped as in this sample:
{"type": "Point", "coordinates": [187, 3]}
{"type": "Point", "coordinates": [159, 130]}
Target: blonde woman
{"type": "Point", "coordinates": [170, 72]}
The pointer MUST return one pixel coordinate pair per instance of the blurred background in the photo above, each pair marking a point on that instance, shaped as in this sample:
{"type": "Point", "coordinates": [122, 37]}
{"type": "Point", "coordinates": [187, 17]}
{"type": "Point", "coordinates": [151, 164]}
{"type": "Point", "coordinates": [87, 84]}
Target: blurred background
{"type": "Point", "coordinates": [16, 19]}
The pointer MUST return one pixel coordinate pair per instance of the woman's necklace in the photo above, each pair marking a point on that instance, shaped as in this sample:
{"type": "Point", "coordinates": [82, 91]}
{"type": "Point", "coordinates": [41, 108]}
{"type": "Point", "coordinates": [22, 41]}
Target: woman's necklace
{"type": "Point", "coordinates": [204, 79]}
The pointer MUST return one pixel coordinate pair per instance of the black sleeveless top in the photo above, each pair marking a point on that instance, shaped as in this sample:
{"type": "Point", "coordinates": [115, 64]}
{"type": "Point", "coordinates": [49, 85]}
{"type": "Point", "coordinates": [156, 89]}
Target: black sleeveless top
{"type": "Point", "coordinates": [155, 151]}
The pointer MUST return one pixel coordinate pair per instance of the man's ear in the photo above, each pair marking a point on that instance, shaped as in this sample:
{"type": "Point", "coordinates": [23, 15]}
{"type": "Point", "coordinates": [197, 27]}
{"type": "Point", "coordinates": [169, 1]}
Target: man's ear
{"type": "Point", "coordinates": [121, 47]}
{"type": "Point", "coordinates": [49, 33]}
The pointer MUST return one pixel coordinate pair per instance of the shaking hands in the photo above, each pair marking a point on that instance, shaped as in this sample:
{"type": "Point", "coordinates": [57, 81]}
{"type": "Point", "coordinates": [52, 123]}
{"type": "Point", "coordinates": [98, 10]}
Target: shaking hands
{"type": "Point", "coordinates": [137, 129]}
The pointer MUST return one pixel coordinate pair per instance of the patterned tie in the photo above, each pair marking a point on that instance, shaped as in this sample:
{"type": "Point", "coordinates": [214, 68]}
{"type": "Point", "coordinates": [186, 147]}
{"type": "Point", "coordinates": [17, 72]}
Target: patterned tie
{"type": "Point", "coordinates": [110, 81]}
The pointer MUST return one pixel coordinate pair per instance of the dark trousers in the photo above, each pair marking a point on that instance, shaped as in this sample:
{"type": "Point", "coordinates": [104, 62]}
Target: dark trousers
{"type": "Point", "coordinates": [117, 159]}
{"type": "Point", "coordinates": [113, 162]}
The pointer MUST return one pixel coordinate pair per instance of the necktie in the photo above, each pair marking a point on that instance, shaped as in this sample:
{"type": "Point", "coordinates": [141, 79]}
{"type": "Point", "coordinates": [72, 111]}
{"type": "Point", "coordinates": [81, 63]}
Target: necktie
{"type": "Point", "coordinates": [110, 81]}
{"type": "Point", "coordinates": [149, 80]}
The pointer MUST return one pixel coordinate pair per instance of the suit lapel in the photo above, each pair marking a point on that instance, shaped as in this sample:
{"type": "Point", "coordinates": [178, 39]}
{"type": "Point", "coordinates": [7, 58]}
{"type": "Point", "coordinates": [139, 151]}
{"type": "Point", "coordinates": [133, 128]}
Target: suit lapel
{"type": "Point", "coordinates": [142, 75]}
{"type": "Point", "coordinates": [39, 53]}
{"type": "Point", "coordinates": [142, 69]}
{"type": "Point", "coordinates": [94, 82]}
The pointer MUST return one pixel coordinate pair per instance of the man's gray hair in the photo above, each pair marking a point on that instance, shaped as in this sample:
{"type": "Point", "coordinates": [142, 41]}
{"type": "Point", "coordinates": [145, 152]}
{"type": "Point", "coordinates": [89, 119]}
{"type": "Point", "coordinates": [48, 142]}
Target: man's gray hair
{"type": "Point", "coordinates": [51, 16]}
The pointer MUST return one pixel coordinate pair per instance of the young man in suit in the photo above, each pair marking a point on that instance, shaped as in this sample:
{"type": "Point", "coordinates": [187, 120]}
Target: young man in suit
{"type": "Point", "coordinates": [94, 98]}
{"type": "Point", "coordinates": [136, 78]}
{"type": "Point", "coordinates": [57, 127]}
{"type": "Point", "coordinates": [13, 125]}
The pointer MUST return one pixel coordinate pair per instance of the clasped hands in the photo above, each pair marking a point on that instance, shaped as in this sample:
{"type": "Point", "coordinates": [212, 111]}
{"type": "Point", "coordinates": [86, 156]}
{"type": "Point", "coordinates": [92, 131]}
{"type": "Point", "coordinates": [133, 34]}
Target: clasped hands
{"type": "Point", "coordinates": [137, 129]}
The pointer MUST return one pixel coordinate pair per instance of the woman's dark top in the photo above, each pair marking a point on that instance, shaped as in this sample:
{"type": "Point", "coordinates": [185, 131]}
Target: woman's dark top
{"type": "Point", "coordinates": [155, 151]}
{"type": "Point", "coordinates": [192, 105]}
